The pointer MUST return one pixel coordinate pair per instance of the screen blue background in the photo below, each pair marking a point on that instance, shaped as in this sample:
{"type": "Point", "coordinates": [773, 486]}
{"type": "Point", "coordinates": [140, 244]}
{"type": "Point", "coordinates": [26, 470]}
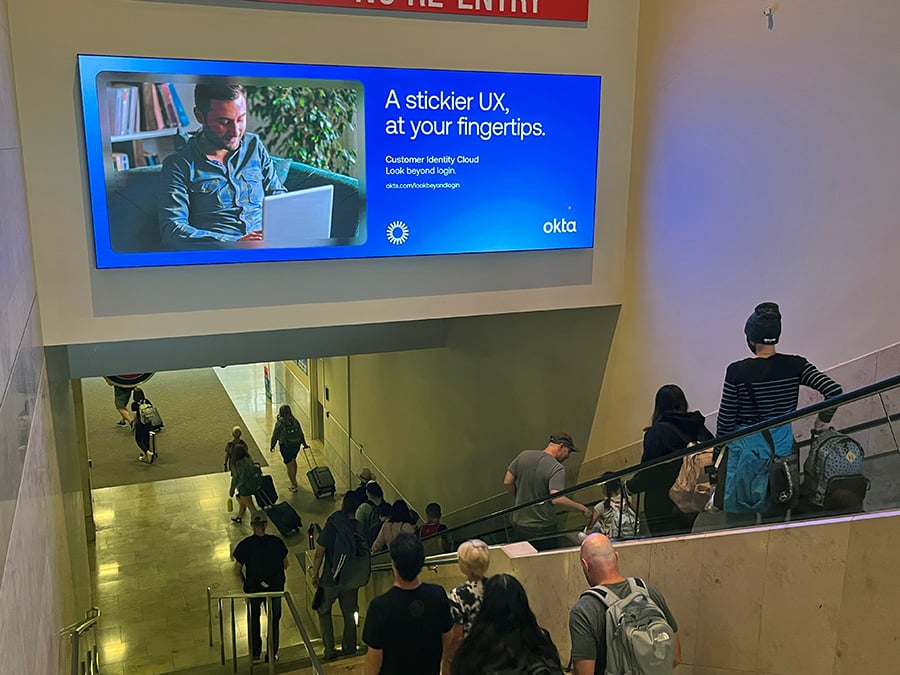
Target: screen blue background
{"type": "Point", "coordinates": [502, 202]}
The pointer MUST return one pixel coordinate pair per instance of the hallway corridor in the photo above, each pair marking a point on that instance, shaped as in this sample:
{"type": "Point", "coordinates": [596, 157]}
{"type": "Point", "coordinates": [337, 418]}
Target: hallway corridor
{"type": "Point", "coordinates": [159, 545]}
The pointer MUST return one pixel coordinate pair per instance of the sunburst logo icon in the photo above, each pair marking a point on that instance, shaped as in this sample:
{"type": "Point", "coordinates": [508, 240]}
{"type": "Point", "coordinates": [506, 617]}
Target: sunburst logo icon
{"type": "Point", "coordinates": [397, 232]}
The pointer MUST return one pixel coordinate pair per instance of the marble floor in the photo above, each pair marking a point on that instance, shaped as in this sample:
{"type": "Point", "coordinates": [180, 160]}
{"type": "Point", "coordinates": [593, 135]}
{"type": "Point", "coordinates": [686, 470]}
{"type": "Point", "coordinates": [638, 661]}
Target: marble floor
{"type": "Point", "coordinates": [160, 545]}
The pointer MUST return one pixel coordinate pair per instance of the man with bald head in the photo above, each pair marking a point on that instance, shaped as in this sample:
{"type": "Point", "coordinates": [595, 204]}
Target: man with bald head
{"type": "Point", "coordinates": [587, 619]}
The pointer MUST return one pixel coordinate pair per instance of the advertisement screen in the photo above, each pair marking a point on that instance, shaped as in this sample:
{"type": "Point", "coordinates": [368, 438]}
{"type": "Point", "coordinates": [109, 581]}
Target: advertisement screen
{"type": "Point", "coordinates": [200, 162]}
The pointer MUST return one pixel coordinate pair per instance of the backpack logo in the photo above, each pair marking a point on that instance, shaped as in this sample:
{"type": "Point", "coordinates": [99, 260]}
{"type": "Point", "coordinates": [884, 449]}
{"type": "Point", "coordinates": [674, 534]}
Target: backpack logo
{"type": "Point", "coordinates": [639, 639]}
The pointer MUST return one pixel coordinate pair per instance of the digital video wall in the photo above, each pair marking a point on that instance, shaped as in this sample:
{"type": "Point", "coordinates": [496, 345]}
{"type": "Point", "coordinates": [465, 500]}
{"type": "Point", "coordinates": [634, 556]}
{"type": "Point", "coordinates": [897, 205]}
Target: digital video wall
{"type": "Point", "coordinates": [199, 162]}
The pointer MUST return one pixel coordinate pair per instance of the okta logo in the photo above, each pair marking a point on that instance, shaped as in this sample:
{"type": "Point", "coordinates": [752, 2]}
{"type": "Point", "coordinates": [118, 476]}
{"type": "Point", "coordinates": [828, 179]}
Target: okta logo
{"type": "Point", "coordinates": [560, 225]}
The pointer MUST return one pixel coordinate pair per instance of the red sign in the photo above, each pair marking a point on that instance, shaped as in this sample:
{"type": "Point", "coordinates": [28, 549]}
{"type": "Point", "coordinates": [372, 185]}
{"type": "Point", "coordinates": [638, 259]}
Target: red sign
{"type": "Point", "coordinates": [547, 10]}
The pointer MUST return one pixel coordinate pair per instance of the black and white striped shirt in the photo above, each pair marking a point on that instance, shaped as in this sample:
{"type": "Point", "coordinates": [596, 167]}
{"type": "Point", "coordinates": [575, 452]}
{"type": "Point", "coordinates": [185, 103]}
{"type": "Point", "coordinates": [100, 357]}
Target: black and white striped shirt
{"type": "Point", "coordinates": [776, 384]}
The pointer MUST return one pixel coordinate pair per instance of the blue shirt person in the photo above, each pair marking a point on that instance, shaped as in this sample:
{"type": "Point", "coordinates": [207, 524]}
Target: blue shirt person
{"type": "Point", "coordinates": [212, 189]}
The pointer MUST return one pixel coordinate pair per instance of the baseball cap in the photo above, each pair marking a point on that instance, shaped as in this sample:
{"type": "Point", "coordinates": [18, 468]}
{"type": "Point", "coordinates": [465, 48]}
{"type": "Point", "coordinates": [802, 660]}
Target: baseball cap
{"type": "Point", "coordinates": [565, 439]}
{"type": "Point", "coordinates": [259, 518]}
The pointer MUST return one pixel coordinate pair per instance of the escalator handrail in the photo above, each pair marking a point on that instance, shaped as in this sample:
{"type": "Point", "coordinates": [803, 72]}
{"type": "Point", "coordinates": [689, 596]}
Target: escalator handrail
{"type": "Point", "coordinates": [826, 404]}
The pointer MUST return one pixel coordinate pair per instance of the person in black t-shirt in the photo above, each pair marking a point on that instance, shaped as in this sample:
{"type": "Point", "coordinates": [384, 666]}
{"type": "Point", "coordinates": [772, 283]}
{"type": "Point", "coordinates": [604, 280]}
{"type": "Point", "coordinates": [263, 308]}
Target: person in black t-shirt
{"type": "Point", "coordinates": [408, 627]}
{"type": "Point", "coordinates": [260, 561]}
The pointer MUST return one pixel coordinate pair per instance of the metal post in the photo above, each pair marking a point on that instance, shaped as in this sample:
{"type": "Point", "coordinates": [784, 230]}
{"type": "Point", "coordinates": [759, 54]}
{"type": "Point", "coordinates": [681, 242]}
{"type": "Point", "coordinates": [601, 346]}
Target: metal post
{"type": "Point", "coordinates": [270, 635]}
{"type": "Point", "coordinates": [75, 650]}
{"type": "Point", "coordinates": [249, 635]}
{"type": "Point", "coordinates": [233, 639]}
{"type": "Point", "coordinates": [221, 633]}
{"type": "Point", "coordinates": [209, 614]}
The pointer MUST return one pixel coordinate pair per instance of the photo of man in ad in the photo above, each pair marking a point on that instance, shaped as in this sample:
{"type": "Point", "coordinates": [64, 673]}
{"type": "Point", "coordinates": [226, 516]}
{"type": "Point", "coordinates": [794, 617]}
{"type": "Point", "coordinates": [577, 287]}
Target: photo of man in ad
{"type": "Point", "coordinates": [212, 189]}
{"type": "Point", "coordinates": [247, 166]}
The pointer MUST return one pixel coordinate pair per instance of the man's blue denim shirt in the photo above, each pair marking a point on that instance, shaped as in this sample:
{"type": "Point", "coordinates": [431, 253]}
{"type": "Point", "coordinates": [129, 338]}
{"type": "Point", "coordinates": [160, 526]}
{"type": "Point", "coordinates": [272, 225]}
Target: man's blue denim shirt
{"type": "Point", "coordinates": [201, 200]}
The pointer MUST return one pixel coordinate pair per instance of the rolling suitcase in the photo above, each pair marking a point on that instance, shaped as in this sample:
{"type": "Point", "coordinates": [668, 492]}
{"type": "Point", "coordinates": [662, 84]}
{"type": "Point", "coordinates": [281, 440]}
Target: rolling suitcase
{"type": "Point", "coordinates": [320, 479]}
{"type": "Point", "coordinates": [266, 496]}
{"type": "Point", "coordinates": [285, 518]}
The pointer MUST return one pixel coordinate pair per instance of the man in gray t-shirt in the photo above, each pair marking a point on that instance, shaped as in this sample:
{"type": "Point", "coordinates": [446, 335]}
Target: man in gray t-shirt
{"type": "Point", "coordinates": [587, 619]}
{"type": "Point", "coordinates": [538, 473]}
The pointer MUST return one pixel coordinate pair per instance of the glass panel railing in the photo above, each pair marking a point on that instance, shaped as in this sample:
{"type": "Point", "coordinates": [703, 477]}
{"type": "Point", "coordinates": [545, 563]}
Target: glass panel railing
{"type": "Point", "coordinates": [851, 467]}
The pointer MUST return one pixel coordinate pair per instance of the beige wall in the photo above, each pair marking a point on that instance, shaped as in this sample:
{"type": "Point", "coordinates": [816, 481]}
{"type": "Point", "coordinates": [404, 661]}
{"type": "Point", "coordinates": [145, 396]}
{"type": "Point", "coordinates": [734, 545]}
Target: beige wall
{"type": "Point", "coordinates": [764, 167]}
{"type": "Point", "coordinates": [792, 600]}
{"type": "Point", "coordinates": [44, 583]}
{"type": "Point", "coordinates": [443, 424]}
{"type": "Point", "coordinates": [81, 304]}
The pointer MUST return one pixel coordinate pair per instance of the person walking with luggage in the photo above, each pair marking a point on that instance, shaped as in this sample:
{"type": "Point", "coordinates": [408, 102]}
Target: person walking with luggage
{"type": "Point", "coordinates": [260, 561]}
{"type": "Point", "coordinates": [288, 434]}
{"type": "Point", "coordinates": [143, 425]}
{"type": "Point", "coordinates": [246, 479]}
{"type": "Point", "coordinates": [756, 389]}
{"type": "Point", "coordinates": [672, 428]}
{"type": "Point", "coordinates": [637, 606]}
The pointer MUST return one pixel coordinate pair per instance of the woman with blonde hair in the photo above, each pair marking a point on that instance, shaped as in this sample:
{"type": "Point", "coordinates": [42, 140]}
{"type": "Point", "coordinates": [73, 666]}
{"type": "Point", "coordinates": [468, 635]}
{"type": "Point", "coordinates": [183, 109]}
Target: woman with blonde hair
{"type": "Point", "coordinates": [230, 446]}
{"type": "Point", "coordinates": [465, 600]}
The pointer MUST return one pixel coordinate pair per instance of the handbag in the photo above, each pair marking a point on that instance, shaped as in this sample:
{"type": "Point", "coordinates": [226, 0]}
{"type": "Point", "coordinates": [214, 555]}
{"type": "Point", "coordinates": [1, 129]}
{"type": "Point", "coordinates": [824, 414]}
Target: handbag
{"type": "Point", "coordinates": [783, 478]}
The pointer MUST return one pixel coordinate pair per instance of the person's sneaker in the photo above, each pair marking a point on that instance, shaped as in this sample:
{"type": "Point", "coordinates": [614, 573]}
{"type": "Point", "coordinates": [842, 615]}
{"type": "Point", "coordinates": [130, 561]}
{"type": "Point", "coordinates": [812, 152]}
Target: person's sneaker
{"type": "Point", "coordinates": [293, 488]}
{"type": "Point", "coordinates": [266, 658]}
{"type": "Point", "coordinates": [152, 457]}
{"type": "Point", "coordinates": [330, 656]}
{"type": "Point", "coordinates": [257, 657]}
{"type": "Point", "coordinates": [142, 457]}
{"type": "Point", "coordinates": [122, 423]}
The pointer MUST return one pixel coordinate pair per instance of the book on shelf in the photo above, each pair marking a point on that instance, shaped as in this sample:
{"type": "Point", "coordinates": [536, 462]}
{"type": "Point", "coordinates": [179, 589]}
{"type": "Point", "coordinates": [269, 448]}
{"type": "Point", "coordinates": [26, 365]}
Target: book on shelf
{"type": "Point", "coordinates": [179, 108]}
{"type": "Point", "coordinates": [168, 106]}
{"type": "Point", "coordinates": [120, 161]}
{"type": "Point", "coordinates": [135, 107]}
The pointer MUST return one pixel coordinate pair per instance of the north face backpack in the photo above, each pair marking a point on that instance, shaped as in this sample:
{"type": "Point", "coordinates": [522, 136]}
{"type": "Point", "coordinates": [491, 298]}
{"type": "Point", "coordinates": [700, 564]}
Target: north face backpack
{"type": "Point", "coordinates": [833, 457]}
{"type": "Point", "coordinates": [639, 639]}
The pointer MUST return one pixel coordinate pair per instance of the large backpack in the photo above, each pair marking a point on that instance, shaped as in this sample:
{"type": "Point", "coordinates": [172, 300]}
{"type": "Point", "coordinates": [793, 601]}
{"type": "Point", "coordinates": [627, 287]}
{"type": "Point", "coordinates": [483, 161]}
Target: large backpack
{"type": "Point", "coordinates": [835, 463]}
{"type": "Point", "coordinates": [747, 470]}
{"type": "Point", "coordinates": [351, 559]}
{"type": "Point", "coordinates": [292, 433]}
{"type": "Point", "coordinates": [639, 639]}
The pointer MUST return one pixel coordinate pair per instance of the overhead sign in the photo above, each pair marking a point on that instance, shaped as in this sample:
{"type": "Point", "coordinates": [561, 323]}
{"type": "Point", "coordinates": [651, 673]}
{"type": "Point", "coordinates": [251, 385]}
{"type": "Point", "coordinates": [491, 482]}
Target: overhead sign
{"type": "Point", "coordinates": [549, 10]}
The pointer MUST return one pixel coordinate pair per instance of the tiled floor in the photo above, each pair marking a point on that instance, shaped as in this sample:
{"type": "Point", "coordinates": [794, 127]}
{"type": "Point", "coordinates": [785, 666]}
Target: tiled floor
{"type": "Point", "coordinates": [159, 545]}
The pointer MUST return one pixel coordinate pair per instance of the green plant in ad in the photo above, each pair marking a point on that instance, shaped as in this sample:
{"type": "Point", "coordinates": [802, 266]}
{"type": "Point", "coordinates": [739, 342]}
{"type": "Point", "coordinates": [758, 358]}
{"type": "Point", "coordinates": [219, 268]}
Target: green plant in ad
{"type": "Point", "coordinates": [308, 124]}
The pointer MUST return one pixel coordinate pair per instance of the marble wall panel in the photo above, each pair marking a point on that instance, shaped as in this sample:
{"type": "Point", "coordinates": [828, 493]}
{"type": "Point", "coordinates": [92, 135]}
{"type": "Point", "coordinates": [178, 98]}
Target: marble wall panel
{"type": "Point", "coordinates": [16, 274]}
{"type": "Point", "coordinates": [733, 567]}
{"type": "Point", "coordinates": [801, 609]}
{"type": "Point", "coordinates": [16, 416]}
{"type": "Point", "coordinates": [867, 634]}
{"type": "Point", "coordinates": [675, 572]}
